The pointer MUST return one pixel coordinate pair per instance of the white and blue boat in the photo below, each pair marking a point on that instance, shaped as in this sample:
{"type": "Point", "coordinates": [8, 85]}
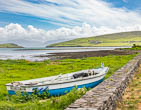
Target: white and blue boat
{"type": "Point", "coordinates": [60, 84]}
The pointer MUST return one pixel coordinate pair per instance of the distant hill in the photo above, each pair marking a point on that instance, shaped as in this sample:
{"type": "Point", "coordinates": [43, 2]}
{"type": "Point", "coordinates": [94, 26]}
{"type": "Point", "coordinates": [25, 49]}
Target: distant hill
{"type": "Point", "coordinates": [117, 39]}
{"type": "Point", "coordinates": [10, 45]}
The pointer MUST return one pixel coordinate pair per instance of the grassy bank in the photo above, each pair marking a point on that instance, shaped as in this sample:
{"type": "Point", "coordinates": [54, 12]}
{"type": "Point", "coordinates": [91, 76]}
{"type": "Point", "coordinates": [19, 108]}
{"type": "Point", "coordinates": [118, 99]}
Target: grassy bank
{"type": "Point", "coordinates": [132, 97]}
{"type": "Point", "coordinates": [134, 47]}
{"type": "Point", "coordinates": [16, 70]}
{"type": "Point", "coordinates": [10, 45]}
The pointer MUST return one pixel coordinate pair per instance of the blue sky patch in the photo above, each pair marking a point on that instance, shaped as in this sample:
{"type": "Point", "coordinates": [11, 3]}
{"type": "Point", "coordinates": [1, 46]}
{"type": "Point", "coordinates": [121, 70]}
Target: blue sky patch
{"type": "Point", "coordinates": [129, 4]}
{"type": "Point", "coordinates": [25, 20]}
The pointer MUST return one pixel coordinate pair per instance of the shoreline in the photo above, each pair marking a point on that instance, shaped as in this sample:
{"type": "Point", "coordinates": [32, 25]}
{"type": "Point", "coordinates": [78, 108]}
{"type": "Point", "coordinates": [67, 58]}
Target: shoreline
{"type": "Point", "coordinates": [69, 47]}
{"type": "Point", "coordinates": [92, 46]}
{"type": "Point", "coordinates": [71, 54]}
{"type": "Point", "coordinates": [85, 54]}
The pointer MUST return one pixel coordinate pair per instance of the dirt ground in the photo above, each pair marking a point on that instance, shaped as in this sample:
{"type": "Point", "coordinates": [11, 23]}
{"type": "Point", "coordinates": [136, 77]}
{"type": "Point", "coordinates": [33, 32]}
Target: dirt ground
{"type": "Point", "coordinates": [131, 99]}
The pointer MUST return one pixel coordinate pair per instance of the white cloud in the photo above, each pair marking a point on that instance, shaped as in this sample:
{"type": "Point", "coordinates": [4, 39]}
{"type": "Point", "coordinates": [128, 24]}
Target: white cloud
{"type": "Point", "coordinates": [71, 12]}
{"type": "Point", "coordinates": [83, 17]}
{"type": "Point", "coordinates": [125, 1]}
{"type": "Point", "coordinates": [32, 36]}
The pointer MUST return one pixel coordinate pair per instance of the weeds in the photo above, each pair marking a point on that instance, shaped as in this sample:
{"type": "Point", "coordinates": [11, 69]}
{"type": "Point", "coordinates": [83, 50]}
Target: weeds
{"type": "Point", "coordinates": [52, 103]}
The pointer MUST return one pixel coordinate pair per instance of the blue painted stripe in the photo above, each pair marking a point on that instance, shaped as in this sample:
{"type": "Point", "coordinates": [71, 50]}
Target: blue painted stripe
{"type": "Point", "coordinates": [62, 91]}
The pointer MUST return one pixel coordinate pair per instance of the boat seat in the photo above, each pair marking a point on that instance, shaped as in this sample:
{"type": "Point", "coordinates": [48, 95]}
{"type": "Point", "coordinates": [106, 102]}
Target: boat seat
{"type": "Point", "coordinates": [80, 75]}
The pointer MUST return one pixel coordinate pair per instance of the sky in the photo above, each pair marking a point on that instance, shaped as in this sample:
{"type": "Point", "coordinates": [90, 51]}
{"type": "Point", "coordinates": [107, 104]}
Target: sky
{"type": "Point", "coordinates": [42, 22]}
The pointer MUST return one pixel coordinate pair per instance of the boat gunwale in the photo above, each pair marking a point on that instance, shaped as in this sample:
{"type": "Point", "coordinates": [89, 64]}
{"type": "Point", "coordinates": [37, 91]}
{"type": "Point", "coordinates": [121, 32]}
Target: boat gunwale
{"type": "Point", "coordinates": [25, 86]}
{"type": "Point", "coordinates": [66, 81]}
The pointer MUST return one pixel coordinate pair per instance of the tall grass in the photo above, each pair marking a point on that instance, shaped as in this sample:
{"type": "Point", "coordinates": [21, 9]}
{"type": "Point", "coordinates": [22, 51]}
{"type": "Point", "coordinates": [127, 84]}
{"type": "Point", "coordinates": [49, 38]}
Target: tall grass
{"type": "Point", "coordinates": [16, 70]}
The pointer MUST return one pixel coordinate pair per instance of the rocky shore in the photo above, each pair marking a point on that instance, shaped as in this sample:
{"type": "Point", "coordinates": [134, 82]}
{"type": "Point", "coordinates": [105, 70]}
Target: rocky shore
{"type": "Point", "coordinates": [75, 55]}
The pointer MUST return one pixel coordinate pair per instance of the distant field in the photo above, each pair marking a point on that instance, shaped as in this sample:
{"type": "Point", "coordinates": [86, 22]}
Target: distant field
{"type": "Point", "coordinates": [118, 39]}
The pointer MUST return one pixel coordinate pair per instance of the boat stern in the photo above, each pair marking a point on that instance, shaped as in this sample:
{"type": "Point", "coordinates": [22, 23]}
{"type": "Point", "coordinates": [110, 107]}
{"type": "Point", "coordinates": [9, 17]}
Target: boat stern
{"type": "Point", "coordinates": [8, 87]}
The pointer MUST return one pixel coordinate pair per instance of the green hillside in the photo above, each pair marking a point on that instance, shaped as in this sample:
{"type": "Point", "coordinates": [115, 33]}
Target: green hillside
{"type": "Point", "coordinates": [117, 39]}
{"type": "Point", "coordinates": [10, 45]}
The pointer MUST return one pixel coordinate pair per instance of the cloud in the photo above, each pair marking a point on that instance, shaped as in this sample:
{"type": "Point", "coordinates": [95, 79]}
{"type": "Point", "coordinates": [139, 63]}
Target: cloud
{"type": "Point", "coordinates": [81, 18]}
{"type": "Point", "coordinates": [32, 36]}
{"type": "Point", "coordinates": [74, 13]}
{"type": "Point", "coordinates": [125, 1]}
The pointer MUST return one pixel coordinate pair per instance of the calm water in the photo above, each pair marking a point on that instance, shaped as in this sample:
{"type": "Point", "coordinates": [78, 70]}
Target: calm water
{"type": "Point", "coordinates": [30, 53]}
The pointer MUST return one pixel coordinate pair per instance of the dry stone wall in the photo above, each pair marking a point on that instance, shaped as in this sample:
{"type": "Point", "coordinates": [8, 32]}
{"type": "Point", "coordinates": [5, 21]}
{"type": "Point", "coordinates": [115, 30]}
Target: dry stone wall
{"type": "Point", "coordinates": [105, 95]}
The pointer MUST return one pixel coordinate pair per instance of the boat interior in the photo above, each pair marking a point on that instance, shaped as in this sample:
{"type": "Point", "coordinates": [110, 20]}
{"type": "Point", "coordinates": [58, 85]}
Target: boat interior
{"type": "Point", "coordinates": [58, 78]}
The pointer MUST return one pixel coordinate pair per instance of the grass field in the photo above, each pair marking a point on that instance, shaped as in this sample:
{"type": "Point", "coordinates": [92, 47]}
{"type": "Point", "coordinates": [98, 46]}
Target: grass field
{"type": "Point", "coordinates": [16, 70]}
{"type": "Point", "coordinates": [118, 39]}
